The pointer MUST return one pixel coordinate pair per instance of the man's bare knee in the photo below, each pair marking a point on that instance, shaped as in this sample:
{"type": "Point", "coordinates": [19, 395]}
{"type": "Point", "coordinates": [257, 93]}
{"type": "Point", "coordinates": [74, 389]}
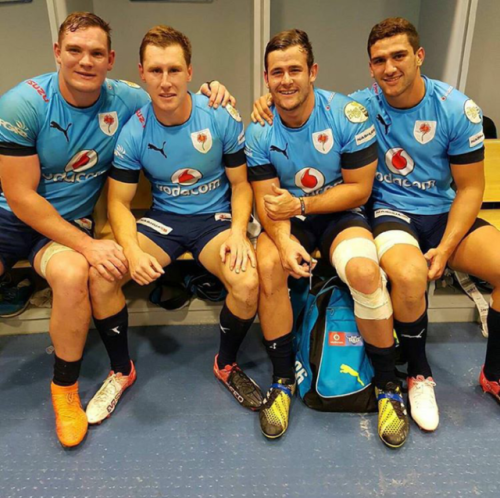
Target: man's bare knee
{"type": "Point", "coordinates": [99, 286]}
{"type": "Point", "coordinates": [246, 290]}
{"type": "Point", "coordinates": [363, 275]}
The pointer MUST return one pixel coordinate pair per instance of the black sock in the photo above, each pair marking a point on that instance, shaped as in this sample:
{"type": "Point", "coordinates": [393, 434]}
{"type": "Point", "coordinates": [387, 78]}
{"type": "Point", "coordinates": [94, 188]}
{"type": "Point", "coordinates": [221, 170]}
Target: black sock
{"type": "Point", "coordinates": [413, 337]}
{"type": "Point", "coordinates": [232, 333]}
{"type": "Point", "coordinates": [113, 332]}
{"type": "Point", "coordinates": [280, 352]}
{"type": "Point", "coordinates": [66, 373]}
{"type": "Point", "coordinates": [384, 364]}
{"type": "Point", "coordinates": [492, 362]}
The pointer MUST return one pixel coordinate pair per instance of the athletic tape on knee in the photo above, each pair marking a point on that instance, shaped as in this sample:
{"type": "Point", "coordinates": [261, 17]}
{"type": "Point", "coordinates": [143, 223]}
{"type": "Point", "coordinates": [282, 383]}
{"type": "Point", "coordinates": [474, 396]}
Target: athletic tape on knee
{"type": "Point", "coordinates": [352, 248]}
{"type": "Point", "coordinates": [387, 240]}
{"type": "Point", "coordinates": [53, 249]}
{"type": "Point", "coordinates": [375, 306]}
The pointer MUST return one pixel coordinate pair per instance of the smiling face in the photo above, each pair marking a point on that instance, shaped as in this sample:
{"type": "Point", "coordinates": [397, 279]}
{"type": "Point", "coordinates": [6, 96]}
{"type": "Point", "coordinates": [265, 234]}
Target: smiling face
{"type": "Point", "coordinates": [395, 66]}
{"type": "Point", "coordinates": [166, 74]}
{"type": "Point", "coordinates": [289, 79]}
{"type": "Point", "coordinates": [84, 60]}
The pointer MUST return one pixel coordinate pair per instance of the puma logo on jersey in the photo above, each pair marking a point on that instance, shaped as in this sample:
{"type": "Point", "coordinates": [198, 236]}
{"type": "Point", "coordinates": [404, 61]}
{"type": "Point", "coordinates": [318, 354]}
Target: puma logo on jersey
{"type": "Point", "coordinates": [273, 148]}
{"type": "Point", "coordinates": [381, 120]}
{"type": "Point", "coordinates": [58, 127]}
{"type": "Point", "coordinates": [161, 151]}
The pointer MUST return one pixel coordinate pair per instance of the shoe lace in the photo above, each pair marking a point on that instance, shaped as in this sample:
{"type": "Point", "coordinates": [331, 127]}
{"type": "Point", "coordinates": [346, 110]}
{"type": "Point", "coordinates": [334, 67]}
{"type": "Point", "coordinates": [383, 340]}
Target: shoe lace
{"type": "Point", "coordinates": [110, 387]}
{"type": "Point", "coordinates": [242, 382]}
{"type": "Point", "coordinates": [68, 405]}
{"type": "Point", "coordinates": [423, 388]}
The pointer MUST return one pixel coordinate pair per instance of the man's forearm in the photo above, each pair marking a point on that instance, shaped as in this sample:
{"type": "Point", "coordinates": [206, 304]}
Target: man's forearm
{"type": "Point", "coordinates": [39, 214]}
{"type": "Point", "coordinates": [124, 225]}
{"type": "Point", "coordinates": [241, 206]}
{"type": "Point", "coordinates": [339, 198]}
{"type": "Point", "coordinates": [463, 213]}
{"type": "Point", "coordinates": [278, 231]}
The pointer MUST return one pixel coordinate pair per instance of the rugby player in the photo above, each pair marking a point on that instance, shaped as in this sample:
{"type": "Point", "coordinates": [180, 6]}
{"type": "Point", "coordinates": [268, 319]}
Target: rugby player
{"type": "Point", "coordinates": [193, 155]}
{"type": "Point", "coordinates": [57, 135]}
{"type": "Point", "coordinates": [430, 135]}
{"type": "Point", "coordinates": [312, 172]}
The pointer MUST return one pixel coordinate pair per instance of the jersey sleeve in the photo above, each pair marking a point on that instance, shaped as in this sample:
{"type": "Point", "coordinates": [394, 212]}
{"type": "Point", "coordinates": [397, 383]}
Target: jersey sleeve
{"type": "Point", "coordinates": [231, 131]}
{"type": "Point", "coordinates": [466, 143]}
{"type": "Point", "coordinates": [358, 138]}
{"type": "Point", "coordinates": [19, 123]}
{"type": "Point", "coordinates": [126, 162]}
{"type": "Point", "coordinates": [257, 153]}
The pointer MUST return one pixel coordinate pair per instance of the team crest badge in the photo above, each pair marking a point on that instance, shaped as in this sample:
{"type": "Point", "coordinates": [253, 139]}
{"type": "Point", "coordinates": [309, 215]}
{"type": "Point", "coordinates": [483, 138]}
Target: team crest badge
{"type": "Point", "coordinates": [355, 112]}
{"type": "Point", "coordinates": [108, 122]}
{"type": "Point", "coordinates": [424, 131]}
{"type": "Point", "coordinates": [323, 141]}
{"type": "Point", "coordinates": [309, 180]}
{"type": "Point", "coordinates": [472, 111]}
{"type": "Point", "coordinates": [233, 112]}
{"type": "Point", "coordinates": [399, 161]}
{"type": "Point", "coordinates": [202, 140]}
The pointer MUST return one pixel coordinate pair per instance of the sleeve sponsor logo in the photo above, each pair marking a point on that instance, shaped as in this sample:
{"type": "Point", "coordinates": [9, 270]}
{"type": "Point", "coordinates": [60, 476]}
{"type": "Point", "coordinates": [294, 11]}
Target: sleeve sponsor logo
{"type": "Point", "coordinates": [472, 111]}
{"type": "Point", "coordinates": [233, 112]}
{"type": "Point", "coordinates": [241, 137]}
{"type": "Point", "coordinates": [424, 131]}
{"type": "Point", "coordinates": [155, 225]}
{"type": "Point", "coordinates": [202, 140]}
{"type": "Point", "coordinates": [389, 212]}
{"type": "Point", "coordinates": [141, 119]}
{"type": "Point", "coordinates": [19, 129]}
{"type": "Point", "coordinates": [39, 90]}
{"type": "Point", "coordinates": [476, 139]}
{"type": "Point", "coordinates": [355, 112]}
{"type": "Point", "coordinates": [120, 152]}
{"type": "Point", "coordinates": [366, 135]}
{"type": "Point", "coordinates": [323, 141]}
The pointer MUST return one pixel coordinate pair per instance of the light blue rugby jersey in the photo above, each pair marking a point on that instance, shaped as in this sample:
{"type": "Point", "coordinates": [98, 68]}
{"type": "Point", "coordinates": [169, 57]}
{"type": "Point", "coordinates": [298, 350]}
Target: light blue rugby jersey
{"type": "Point", "coordinates": [74, 145]}
{"type": "Point", "coordinates": [417, 145]}
{"type": "Point", "coordinates": [308, 160]}
{"type": "Point", "coordinates": [185, 163]}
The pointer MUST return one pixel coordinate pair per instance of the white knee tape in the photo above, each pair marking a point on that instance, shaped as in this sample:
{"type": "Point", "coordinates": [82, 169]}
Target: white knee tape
{"type": "Point", "coordinates": [375, 306]}
{"type": "Point", "coordinates": [389, 239]}
{"type": "Point", "coordinates": [53, 249]}
{"type": "Point", "coordinates": [352, 248]}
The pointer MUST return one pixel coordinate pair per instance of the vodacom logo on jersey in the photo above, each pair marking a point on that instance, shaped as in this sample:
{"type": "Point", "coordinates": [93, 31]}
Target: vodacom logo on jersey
{"type": "Point", "coordinates": [186, 177]}
{"type": "Point", "coordinates": [74, 170]}
{"type": "Point", "coordinates": [309, 180]}
{"type": "Point", "coordinates": [399, 161]}
{"type": "Point", "coordinates": [81, 161]}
